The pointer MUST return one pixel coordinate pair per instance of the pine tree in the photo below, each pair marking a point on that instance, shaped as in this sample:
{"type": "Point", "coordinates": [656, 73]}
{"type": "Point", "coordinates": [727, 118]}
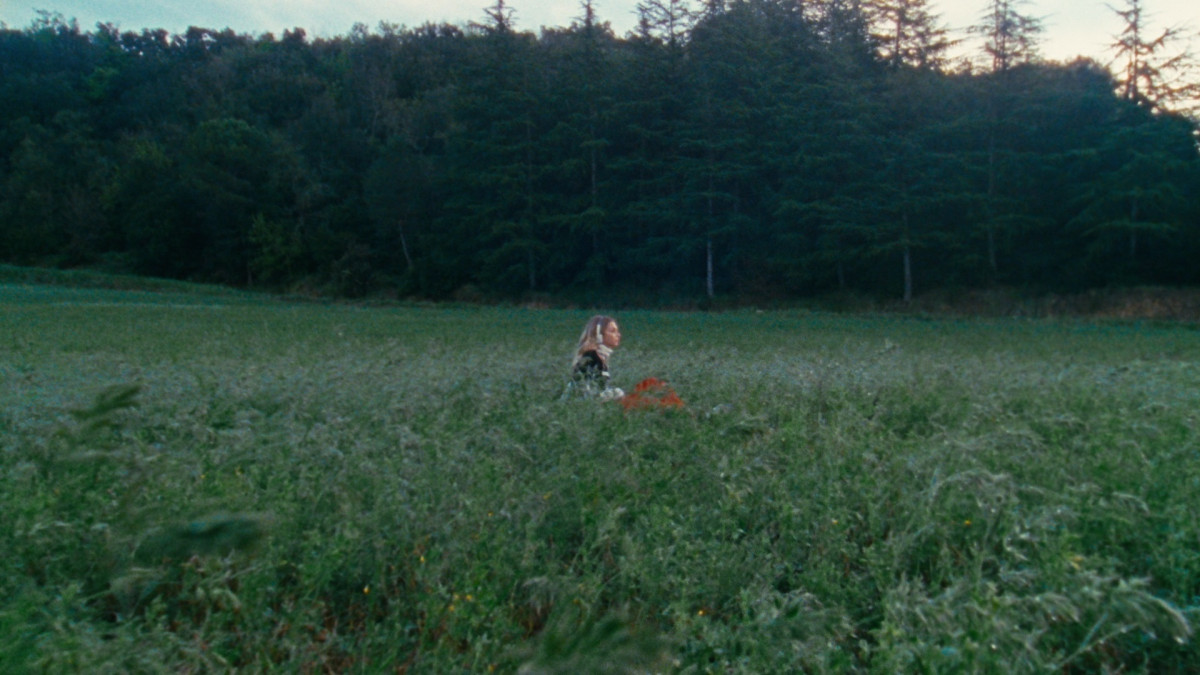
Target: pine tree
{"type": "Point", "coordinates": [579, 106]}
{"type": "Point", "coordinates": [648, 138]}
{"type": "Point", "coordinates": [1137, 192]}
{"type": "Point", "coordinates": [1155, 68]}
{"type": "Point", "coordinates": [496, 155]}
{"type": "Point", "coordinates": [913, 44]}
{"type": "Point", "coordinates": [1010, 37]}
{"type": "Point", "coordinates": [1009, 41]}
{"type": "Point", "coordinates": [909, 33]}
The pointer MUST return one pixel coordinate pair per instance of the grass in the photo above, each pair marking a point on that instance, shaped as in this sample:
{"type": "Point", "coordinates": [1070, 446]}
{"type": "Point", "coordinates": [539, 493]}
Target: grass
{"type": "Point", "coordinates": [201, 481]}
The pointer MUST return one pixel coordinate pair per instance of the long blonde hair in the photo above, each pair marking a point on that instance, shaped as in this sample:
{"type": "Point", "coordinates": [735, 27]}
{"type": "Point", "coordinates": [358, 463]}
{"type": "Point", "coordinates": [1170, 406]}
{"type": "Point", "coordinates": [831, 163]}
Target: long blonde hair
{"type": "Point", "coordinates": [592, 339]}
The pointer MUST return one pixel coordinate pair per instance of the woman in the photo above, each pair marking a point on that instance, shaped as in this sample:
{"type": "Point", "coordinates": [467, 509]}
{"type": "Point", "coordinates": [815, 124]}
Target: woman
{"type": "Point", "coordinates": [589, 369]}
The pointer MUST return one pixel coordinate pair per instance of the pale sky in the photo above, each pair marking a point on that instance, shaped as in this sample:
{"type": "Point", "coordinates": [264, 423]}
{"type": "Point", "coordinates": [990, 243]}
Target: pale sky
{"type": "Point", "coordinates": [1073, 27]}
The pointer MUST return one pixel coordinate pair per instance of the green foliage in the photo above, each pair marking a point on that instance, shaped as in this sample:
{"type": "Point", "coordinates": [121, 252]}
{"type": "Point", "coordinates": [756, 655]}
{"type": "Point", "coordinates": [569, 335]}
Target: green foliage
{"type": "Point", "coordinates": [606, 645]}
{"type": "Point", "coordinates": [745, 149]}
{"type": "Point", "coordinates": [279, 251]}
{"type": "Point", "coordinates": [218, 535]}
{"type": "Point", "coordinates": [215, 482]}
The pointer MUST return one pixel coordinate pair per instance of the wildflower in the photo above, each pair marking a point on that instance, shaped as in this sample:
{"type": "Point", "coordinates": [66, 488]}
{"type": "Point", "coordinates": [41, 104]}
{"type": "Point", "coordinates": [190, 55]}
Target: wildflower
{"type": "Point", "coordinates": [701, 612]}
{"type": "Point", "coordinates": [967, 522]}
{"type": "Point", "coordinates": [366, 590]}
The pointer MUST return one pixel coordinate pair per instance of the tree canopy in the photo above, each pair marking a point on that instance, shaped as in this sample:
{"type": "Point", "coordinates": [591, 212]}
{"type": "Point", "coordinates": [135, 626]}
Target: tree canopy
{"type": "Point", "coordinates": [752, 148]}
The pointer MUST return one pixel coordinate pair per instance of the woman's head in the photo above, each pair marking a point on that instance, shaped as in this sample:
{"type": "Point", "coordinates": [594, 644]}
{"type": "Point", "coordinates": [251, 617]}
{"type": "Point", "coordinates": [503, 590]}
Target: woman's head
{"type": "Point", "coordinates": [599, 331]}
{"type": "Point", "coordinates": [611, 334]}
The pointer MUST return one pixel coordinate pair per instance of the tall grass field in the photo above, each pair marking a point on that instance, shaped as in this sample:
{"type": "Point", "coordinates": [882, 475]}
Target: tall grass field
{"type": "Point", "coordinates": [199, 482]}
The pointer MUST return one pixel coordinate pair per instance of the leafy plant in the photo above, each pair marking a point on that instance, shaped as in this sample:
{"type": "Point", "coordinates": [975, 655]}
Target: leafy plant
{"type": "Point", "coordinates": [303, 487]}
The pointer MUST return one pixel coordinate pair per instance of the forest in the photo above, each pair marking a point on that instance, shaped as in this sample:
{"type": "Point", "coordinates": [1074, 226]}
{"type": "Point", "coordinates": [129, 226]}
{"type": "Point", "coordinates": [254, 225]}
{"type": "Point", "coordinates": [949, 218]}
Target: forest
{"type": "Point", "coordinates": [754, 149]}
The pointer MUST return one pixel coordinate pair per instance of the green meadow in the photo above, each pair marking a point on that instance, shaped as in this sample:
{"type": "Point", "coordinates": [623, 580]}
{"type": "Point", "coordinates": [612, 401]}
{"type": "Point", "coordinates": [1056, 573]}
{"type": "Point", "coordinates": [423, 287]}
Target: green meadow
{"type": "Point", "coordinates": [197, 481]}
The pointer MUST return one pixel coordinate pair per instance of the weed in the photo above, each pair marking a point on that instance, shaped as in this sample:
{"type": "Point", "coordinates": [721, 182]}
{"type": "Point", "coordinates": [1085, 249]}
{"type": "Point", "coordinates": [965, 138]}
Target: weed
{"type": "Point", "coordinates": [214, 483]}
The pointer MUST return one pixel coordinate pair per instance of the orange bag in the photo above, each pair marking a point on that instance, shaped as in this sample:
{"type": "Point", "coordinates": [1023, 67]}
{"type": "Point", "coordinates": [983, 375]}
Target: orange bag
{"type": "Point", "coordinates": [651, 393]}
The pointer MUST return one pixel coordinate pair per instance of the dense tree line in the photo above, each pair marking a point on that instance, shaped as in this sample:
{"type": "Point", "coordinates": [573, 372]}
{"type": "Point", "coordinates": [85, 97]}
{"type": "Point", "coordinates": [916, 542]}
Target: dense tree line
{"type": "Point", "coordinates": [746, 147]}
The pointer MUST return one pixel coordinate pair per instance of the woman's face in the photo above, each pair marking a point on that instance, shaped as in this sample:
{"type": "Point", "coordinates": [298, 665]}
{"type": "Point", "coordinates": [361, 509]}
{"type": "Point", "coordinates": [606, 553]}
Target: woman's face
{"type": "Point", "coordinates": [612, 335]}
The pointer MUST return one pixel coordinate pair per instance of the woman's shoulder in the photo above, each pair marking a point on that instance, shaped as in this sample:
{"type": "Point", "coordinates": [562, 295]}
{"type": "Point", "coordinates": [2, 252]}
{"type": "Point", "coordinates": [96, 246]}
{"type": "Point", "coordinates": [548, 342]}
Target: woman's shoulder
{"type": "Point", "coordinates": [590, 361]}
{"type": "Point", "coordinates": [589, 357]}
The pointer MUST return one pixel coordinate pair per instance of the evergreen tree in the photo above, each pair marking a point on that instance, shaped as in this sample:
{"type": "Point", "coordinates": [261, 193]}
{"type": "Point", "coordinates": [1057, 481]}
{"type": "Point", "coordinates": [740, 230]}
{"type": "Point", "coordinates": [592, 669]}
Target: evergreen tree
{"type": "Point", "coordinates": [832, 121]}
{"type": "Point", "coordinates": [1009, 35]}
{"type": "Point", "coordinates": [920, 181]}
{"type": "Point", "coordinates": [579, 107]}
{"type": "Point", "coordinates": [495, 155]}
{"type": "Point", "coordinates": [1155, 66]}
{"type": "Point", "coordinates": [1009, 41]}
{"type": "Point", "coordinates": [909, 33]}
{"type": "Point", "coordinates": [1137, 196]}
{"type": "Point", "coordinates": [743, 146]}
{"type": "Point", "coordinates": [913, 45]}
{"type": "Point", "coordinates": [648, 144]}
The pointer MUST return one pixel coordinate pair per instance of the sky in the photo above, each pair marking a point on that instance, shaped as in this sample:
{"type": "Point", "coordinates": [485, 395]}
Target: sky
{"type": "Point", "coordinates": [1072, 27]}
